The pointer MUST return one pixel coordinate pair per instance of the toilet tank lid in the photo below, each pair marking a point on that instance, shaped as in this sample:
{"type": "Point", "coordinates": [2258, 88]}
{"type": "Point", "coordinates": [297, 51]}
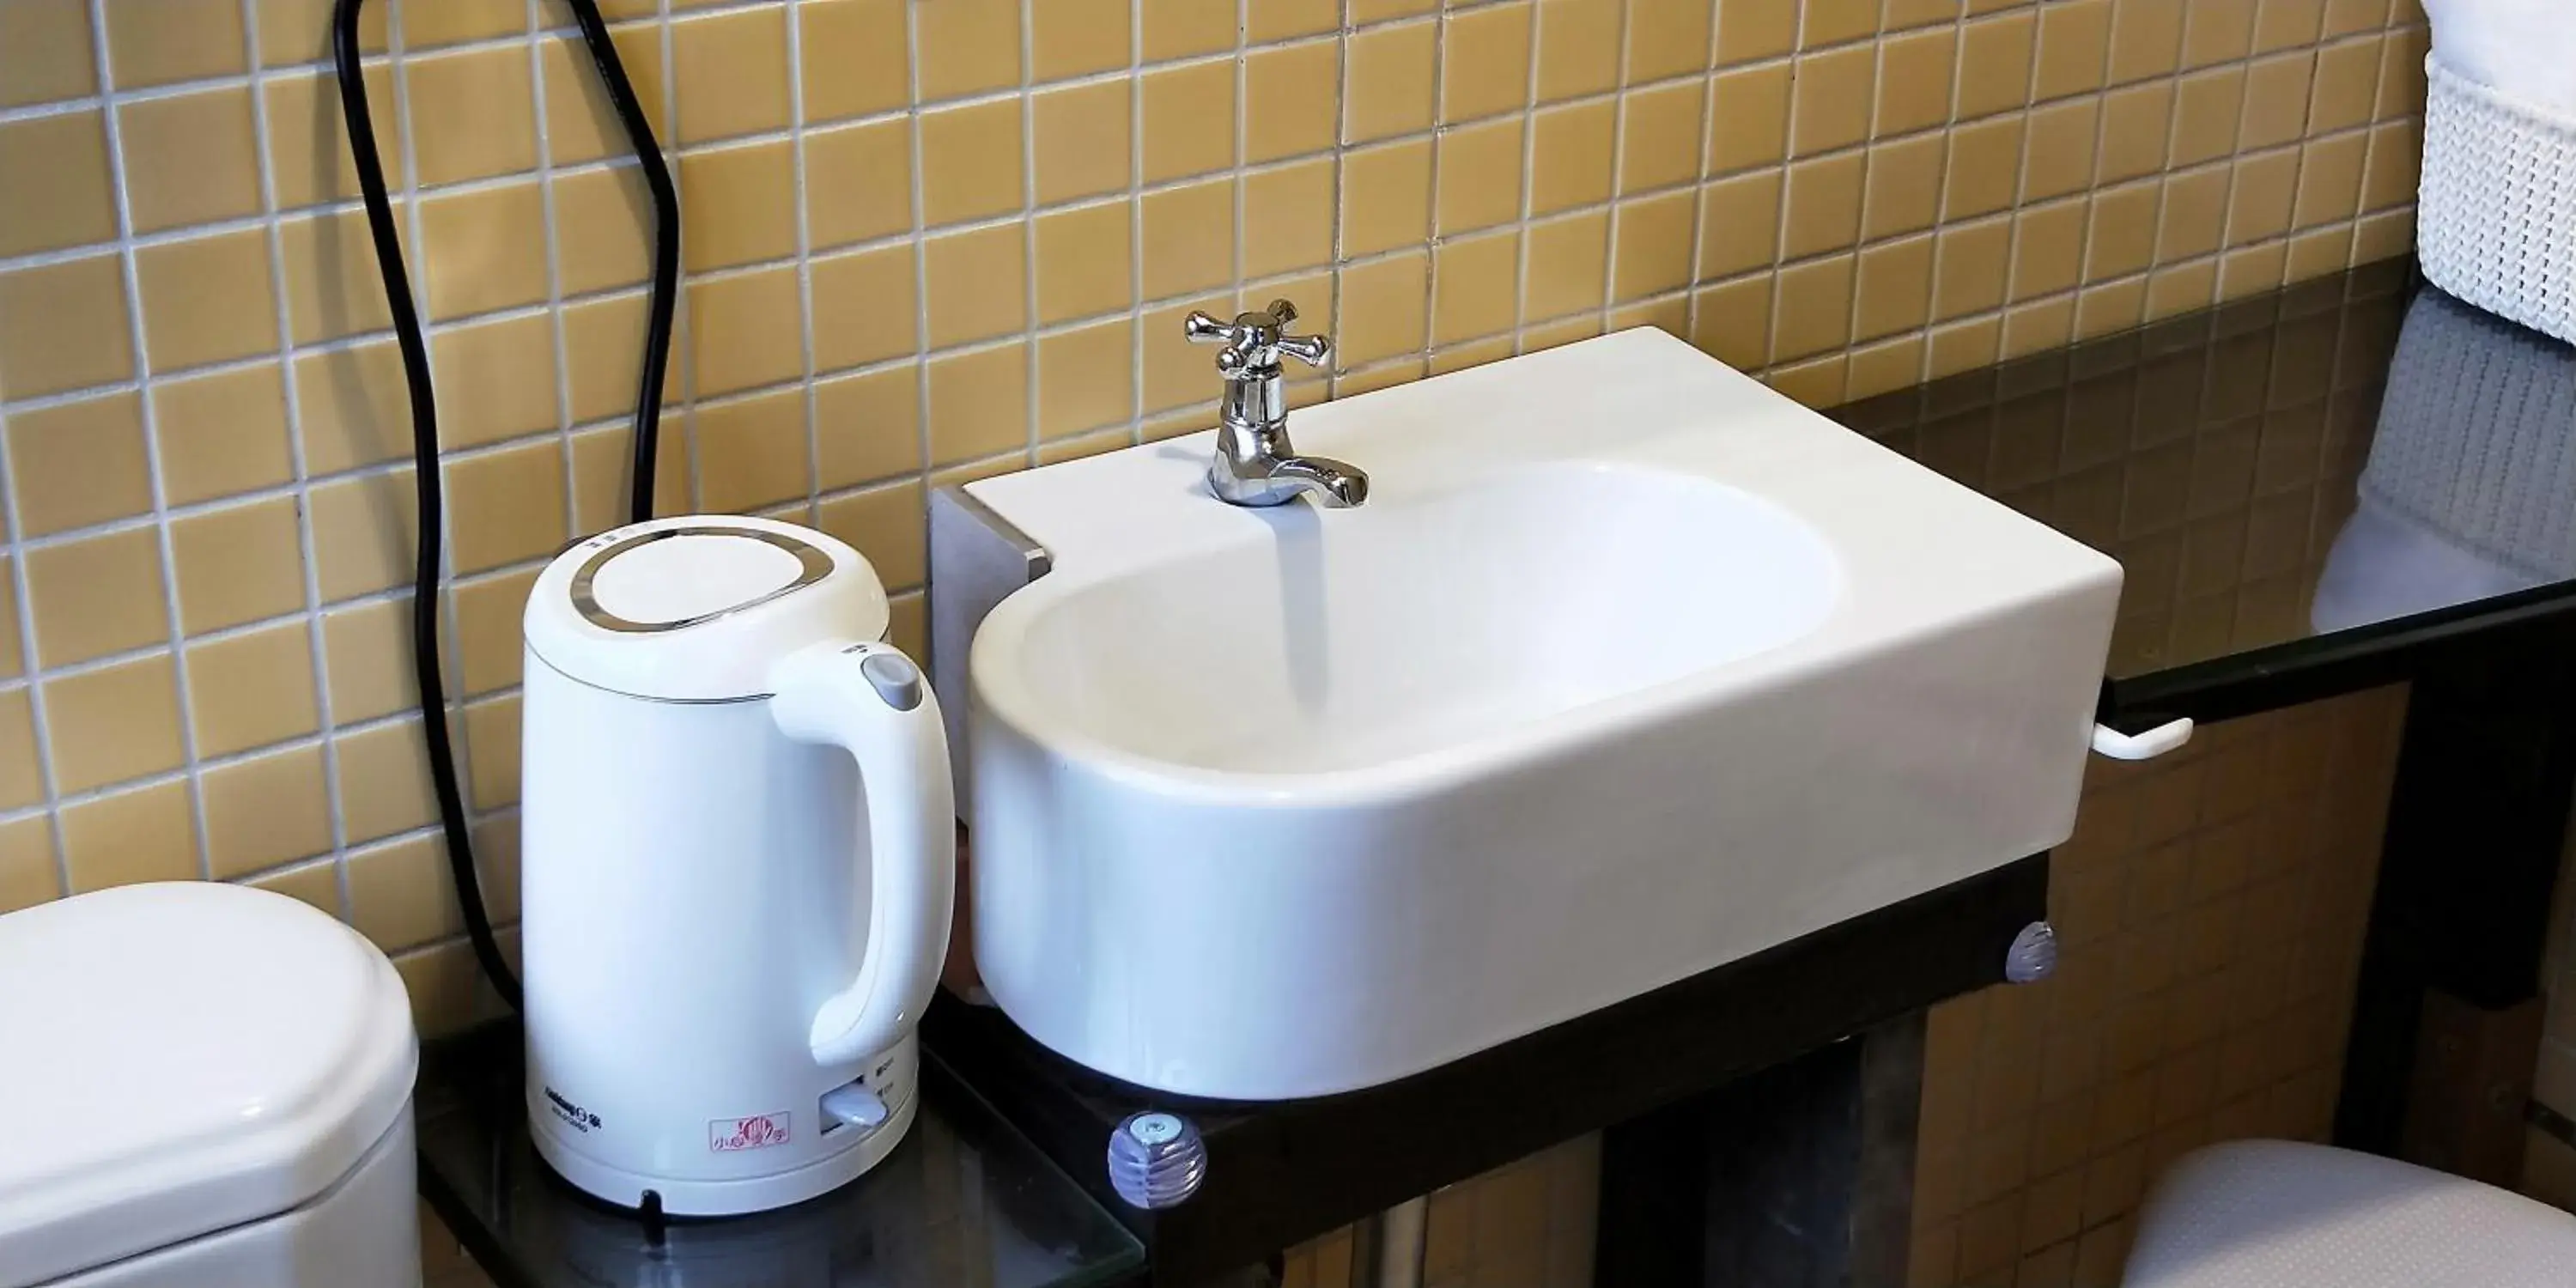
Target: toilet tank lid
{"type": "Point", "coordinates": [180, 1058]}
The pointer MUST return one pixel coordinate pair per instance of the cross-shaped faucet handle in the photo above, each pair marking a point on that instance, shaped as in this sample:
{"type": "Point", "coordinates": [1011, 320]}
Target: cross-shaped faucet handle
{"type": "Point", "coordinates": [1254, 341]}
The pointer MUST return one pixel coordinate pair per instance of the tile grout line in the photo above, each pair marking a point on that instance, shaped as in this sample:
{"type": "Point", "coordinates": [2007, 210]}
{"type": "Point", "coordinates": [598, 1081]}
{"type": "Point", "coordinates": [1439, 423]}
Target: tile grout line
{"type": "Point", "coordinates": [2086, 198]}
{"type": "Point", "coordinates": [395, 465]}
{"type": "Point", "coordinates": [315, 641]}
{"type": "Point", "coordinates": [1434, 238]}
{"type": "Point", "coordinates": [23, 621]}
{"type": "Point", "coordinates": [1852, 342]}
{"type": "Point", "coordinates": [1521, 216]}
{"type": "Point", "coordinates": [1032, 372]}
{"type": "Point", "coordinates": [917, 198]}
{"type": "Point", "coordinates": [516, 312]}
{"type": "Point", "coordinates": [30, 657]}
{"type": "Point", "coordinates": [258, 73]}
{"type": "Point", "coordinates": [2289, 231]}
{"type": "Point", "coordinates": [2234, 154]}
{"type": "Point", "coordinates": [2227, 246]}
{"type": "Point", "coordinates": [462, 705]}
{"type": "Point", "coordinates": [407, 177]}
{"type": "Point", "coordinates": [1922, 335]}
{"type": "Point", "coordinates": [1941, 222]}
{"type": "Point", "coordinates": [146, 652]}
{"type": "Point", "coordinates": [1700, 183]}
{"type": "Point", "coordinates": [716, 8]}
{"type": "Point", "coordinates": [757, 138]}
{"type": "Point", "coordinates": [2304, 146]}
{"type": "Point", "coordinates": [558, 331]}
{"type": "Point", "coordinates": [1611, 218]}
{"type": "Point", "coordinates": [452, 600]}
{"type": "Point", "coordinates": [452, 711]}
{"type": "Point", "coordinates": [799, 192]}
{"type": "Point", "coordinates": [2370, 139]}
{"type": "Point", "coordinates": [1337, 189]}
{"type": "Point", "coordinates": [682, 428]}
{"type": "Point", "coordinates": [1240, 144]}
{"type": "Point", "coordinates": [2163, 171]}
{"type": "Point", "coordinates": [401, 836]}
{"type": "Point", "coordinates": [2021, 195]}
{"type": "Point", "coordinates": [1780, 235]}
{"type": "Point", "coordinates": [1136, 343]}
{"type": "Point", "coordinates": [164, 539]}
{"type": "Point", "coordinates": [224, 760]}
{"type": "Point", "coordinates": [2091, 196]}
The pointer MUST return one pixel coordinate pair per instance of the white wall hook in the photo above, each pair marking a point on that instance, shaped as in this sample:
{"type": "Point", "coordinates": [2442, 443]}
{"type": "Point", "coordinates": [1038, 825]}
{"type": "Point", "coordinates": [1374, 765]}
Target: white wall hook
{"type": "Point", "coordinates": [2144, 746]}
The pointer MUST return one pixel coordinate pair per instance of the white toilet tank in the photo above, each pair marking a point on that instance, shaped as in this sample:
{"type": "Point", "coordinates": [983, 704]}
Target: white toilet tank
{"type": "Point", "coordinates": [202, 1086]}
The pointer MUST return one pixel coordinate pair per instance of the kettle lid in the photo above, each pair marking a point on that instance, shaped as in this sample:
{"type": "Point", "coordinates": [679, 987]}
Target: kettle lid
{"type": "Point", "coordinates": [695, 608]}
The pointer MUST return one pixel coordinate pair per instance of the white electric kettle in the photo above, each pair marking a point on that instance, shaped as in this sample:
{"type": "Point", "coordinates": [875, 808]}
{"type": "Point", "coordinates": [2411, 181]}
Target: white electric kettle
{"type": "Point", "coordinates": [738, 852]}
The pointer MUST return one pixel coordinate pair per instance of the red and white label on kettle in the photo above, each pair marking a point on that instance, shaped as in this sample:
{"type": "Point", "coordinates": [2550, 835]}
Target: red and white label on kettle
{"type": "Point", "coordinates": [760, 1131]}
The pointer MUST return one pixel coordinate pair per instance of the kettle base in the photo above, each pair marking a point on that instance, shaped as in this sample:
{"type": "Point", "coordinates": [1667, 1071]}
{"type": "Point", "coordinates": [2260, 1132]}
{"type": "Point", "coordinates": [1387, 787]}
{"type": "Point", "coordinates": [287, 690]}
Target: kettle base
{"type": "Point", "coordinates": [680, 1197]}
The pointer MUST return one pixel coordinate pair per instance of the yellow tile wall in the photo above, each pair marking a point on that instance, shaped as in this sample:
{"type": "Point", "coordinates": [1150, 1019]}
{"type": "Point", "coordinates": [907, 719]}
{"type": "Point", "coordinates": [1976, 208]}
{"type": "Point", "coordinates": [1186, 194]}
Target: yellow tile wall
{"type": "Point", "coordinates": [2210, 908]}
{"type": "Point", "coordinates": [1527, 1224]}
{"type": "Point", "coordinates": [935, 239]}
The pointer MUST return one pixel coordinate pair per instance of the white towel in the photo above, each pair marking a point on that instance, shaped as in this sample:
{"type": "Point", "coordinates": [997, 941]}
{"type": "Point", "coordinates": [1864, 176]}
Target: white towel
{"type": "Point", "coordinates": [2524, 49]}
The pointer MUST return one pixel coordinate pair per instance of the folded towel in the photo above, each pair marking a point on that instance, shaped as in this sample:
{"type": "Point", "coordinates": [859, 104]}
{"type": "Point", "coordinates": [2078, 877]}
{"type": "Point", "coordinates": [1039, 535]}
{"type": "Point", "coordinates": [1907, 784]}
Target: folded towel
{"type": "Point", "coordinates": [2524, 49]}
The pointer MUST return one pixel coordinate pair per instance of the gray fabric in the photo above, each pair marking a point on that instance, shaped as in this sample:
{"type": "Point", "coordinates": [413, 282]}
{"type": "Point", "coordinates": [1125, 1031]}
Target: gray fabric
{"type": "Point", "coordinates": [2477, 436]}
{"type": "Point", "coordinates": [2278, 1214]}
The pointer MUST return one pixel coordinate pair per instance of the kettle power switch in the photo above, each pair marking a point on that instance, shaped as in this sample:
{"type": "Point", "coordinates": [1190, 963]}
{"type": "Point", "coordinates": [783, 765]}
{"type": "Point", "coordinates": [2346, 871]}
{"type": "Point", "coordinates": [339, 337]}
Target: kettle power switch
{"type": "Point", "coordinates": [895, 679]}
{"type": "Point", "coordinates": [855, 1105]}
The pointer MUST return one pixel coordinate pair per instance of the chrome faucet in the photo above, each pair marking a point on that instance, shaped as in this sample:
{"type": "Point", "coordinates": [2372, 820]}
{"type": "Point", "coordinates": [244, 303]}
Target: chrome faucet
{"type": "Point", "coordinates": [1255, 464]}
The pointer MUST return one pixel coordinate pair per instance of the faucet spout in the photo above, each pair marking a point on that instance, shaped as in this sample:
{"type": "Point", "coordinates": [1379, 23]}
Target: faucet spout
{"type": "Point", "coordinates": [1334, 484]}
{"type": "Point", "coordinates": [1257, 468]}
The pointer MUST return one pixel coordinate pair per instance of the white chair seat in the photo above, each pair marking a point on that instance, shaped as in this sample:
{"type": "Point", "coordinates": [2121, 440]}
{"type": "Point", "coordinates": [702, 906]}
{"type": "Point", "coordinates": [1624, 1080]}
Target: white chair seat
{"type": "Point", "coordinates": [2278, 1214]}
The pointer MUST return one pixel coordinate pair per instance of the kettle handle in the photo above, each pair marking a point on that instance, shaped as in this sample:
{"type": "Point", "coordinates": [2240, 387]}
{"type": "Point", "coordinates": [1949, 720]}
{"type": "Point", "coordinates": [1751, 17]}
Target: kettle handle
{"type": "Point", "coordinates": [872, 700]}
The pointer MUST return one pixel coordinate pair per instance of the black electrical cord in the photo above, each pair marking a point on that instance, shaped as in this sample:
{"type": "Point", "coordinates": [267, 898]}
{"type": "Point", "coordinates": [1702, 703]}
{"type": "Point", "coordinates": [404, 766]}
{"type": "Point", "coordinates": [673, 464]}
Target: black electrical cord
{"type": "Point", "coordinates": [427, 483]}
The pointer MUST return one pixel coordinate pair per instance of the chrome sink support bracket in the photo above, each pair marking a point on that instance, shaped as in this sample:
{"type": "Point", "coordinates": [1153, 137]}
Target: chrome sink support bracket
{"type": "Point", "coordinates": [977, 558]}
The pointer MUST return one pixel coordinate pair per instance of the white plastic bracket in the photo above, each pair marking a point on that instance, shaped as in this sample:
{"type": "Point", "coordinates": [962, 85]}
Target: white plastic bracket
{"type": "Point", "coordinates": [2155, 742]}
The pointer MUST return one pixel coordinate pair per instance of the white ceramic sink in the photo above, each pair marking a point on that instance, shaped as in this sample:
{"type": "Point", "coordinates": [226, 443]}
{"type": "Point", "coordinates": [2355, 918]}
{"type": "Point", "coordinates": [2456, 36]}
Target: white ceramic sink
{"type": "Point", "coordinates": [1354, 643]}
{"type": "Point", "coordinates": [1628, 668]}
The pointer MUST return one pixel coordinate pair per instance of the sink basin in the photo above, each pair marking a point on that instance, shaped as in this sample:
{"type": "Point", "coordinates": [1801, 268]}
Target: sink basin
{"type": "Point", "coordinates": [1357, 643]}
{"type": "Point", "coordinates": [1629, 668]}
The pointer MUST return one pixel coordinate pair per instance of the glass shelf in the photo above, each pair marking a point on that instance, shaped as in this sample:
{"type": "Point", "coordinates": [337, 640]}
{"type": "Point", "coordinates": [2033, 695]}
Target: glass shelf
{"type": "Point", "coordinates": [963, 1200]}
{"type": "Point", "coordinates": [2308, 489]}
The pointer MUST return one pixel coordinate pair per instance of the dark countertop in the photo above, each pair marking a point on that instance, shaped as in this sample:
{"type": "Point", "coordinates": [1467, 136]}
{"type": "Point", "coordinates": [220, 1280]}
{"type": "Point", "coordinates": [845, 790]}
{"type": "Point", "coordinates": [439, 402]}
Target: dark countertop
{"type": "Point", "coordinates": [964, 1199]}
{"type": "Point", "coordinates": [1279, 1173]}
{"type": "Point", "coordinates": [968, 1199]}
{"type": "Point", "coordinates": [2308, 488]}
